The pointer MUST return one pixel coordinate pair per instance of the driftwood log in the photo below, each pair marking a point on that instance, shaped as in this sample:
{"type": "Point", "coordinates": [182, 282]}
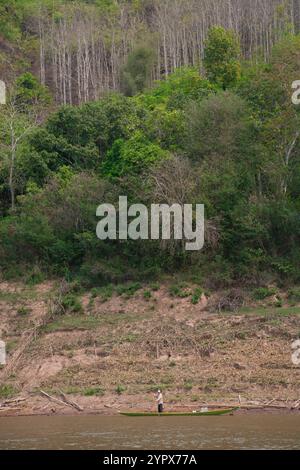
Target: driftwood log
{"type": "Point", "coordinates": [70, 402]}
{"type": "Point", "coordinates": [64, 402]}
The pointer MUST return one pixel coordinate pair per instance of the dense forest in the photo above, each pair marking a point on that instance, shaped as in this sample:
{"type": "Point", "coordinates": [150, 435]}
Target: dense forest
{"type": "Point", "coordinates": [164, 101]}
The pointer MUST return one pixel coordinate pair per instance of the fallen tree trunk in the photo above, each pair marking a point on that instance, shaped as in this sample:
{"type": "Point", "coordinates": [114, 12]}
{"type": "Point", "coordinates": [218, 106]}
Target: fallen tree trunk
{"type": "Point", "coordinates": [54, 399]}
{"type": "Point", "coordinates": [70, 402]}
{"type": "Point", "coordinates": [6, 408]}
{"type": "Point", "coordinates": [15, 400]}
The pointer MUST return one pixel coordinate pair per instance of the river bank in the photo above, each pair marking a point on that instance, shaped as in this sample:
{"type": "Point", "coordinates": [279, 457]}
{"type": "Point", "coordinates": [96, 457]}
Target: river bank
{"type": "Point", "coordinates": [35, 409]}
{"type": "Point", "coordinates": [109, 350]}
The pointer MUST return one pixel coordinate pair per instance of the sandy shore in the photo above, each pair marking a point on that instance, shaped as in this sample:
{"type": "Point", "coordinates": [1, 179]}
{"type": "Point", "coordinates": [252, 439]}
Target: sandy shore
{"type": "Point", "coordinates": [51, 408]}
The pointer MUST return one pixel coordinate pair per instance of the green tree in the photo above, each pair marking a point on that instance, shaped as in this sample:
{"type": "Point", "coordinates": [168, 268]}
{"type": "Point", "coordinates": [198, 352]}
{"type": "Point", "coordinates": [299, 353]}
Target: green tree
{"type": "Point", "coordinates": [80, 137]}
{"type": "Point", "coordinates": [136, 74]}
{"type": "Point", "coordinates": [219, 127]}
{"type": "Point", "coordinates": [221, 57]}
{"type": "Point", "coordinates": [29, 92]}
{"type": "Point", "coordinates": [23, 113]}
{"type": "Point", "coordinates": [131, 157]}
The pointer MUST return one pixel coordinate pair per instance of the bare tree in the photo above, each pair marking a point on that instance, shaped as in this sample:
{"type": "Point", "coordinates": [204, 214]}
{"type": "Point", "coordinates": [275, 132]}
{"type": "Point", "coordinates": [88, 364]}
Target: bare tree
{"type": "Point", "coordinates": [175, 181]}
{"type": "Point", "coordinates": [16, 125]}
{"type": "Point", "coordinates": [82, 52]}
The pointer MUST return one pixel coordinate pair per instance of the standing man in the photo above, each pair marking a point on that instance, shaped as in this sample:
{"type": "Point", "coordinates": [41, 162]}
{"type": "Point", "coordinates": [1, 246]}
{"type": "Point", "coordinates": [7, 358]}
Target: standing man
{"type": "Point", "coordinates": [160, 401]}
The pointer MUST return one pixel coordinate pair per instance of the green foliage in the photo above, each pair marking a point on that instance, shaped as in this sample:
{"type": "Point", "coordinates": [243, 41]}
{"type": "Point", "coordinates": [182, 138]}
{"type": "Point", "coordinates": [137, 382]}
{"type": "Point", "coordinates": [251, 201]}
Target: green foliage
{"type": "Point", "coordinates": [154, 287]}
{"type": "Point", "coordinates": [94, 391]}
{"type": "Point", "coordinates": [79, 136]}
{"type": "Point", "coordinates": [236, 131]}
{"type": "Point", "coordinates": [262, 293]}
{"type": "Point", "coordinates": [220, 126]}
{"type": "Point", "coordinates": [183, 85]}
{"type": "Point", "coordinates": [71, 304]}
{"type": "Point", "coordinates": [10, 18]}
{"type": "Point", "coordinates": [178, 291]}
{"type": "Point", "coordinates": [105, 292]}
{"type": "Point", "coordinates": [221, 57]}
{"type": "Point", "coordinates": [147, 294]}
{"type": "Point", "coordinates": [164, 106]}
{"type": "Point", "coordinates": [294, 294]}
{"type": "Point", "coordinates": [128, 289]}
{"type": "Point", "coordinates": [188, 386]}
{"type": "Point", "coordinates": [135, 75]}
{"type": "Point", "coordinates": [120, 389]}
{"type": "Point", "coordinates": [29, 92]}
{"type": "Point", "coordinates": [132, 156]}
{"type": "Point", "coordinates": [23, 311]}
{"type": "Point", "coordinates": [7, 391]}
{"type": "Point", "coordinates": [196, 296]}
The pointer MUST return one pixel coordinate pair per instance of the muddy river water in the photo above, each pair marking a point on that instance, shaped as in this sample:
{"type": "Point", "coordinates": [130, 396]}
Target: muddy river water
{"type": "Point", "coordinates": [254, 431]}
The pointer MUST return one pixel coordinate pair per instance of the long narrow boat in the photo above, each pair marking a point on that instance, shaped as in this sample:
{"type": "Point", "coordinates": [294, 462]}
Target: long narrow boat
{"type": "Point", "coordinates": [180, 413]}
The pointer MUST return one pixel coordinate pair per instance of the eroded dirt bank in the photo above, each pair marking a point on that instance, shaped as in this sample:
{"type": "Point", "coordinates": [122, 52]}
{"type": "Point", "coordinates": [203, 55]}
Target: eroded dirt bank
{"type": "Point", "coordinates": [108, 350]}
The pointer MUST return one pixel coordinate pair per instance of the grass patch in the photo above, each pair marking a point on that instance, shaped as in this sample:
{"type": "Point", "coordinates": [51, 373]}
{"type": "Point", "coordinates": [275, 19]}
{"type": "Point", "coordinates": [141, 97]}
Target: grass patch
{"type": "Point", "coordinates": [130, 338]}
{"type": "Point", "coordinates": [89, 322]}
{"type": "Point", "coordinates": [69, 323]}
{"type": "Point", "coordinates": [20, 296]}
{"type": "Point", "coordinates": [188, 386]}
{"type": "Point", "coordinates": [94, 392]}
{"type": "Point", "coordinates": [23, 311]}
{"type": "Point", "coordinates": [195, 398]}
{"type": "Point", "coordinates": [120, 389]}
{"type": "Point", "coordinates": [270, 311]}
{"type": "Point", "coordinates": [11, 345]}
{"type": "Point", "coordinates": [154, 287]}
{"type": "Point", "coordinates": [7, 391]}
{"type": "Point", "coordinates": [154, 388]}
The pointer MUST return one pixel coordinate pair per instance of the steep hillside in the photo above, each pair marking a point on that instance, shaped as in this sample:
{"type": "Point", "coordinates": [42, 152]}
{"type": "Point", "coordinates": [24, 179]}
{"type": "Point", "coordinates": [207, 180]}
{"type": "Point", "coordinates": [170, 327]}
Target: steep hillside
{"type": "Point", "coordinates": [116, 351]}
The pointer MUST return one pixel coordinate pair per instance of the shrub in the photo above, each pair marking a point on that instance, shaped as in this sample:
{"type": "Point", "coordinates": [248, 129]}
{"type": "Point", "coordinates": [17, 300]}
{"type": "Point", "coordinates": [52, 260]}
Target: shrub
{"type": "Point", "coordinates": [147, 294]}
{"type": "Point", "coordinates": [154, 287]}
{"type": "Point", "coordinates": [263, 293]}
{"type": "Point", "coordinates": [105, 292]}
{"type": "Point", "coordinates": [120, 389]}
{"type": "Point", "coordinates": [72, 304]}
{"type": "Point", "coordinates": [128, 289]}
{"type": "Point", "coordinates": [177, 291]}
{"type": "Point", "coordinates": [196, 296]}
{"type": "Point", "coordinates": [188, 386]}
{"type": "Point", "coordinates": [294, 294]}
{"type": "Point", "coordinates": [35, 277]}
{"type": "Point", "coordinates": [7, 391]}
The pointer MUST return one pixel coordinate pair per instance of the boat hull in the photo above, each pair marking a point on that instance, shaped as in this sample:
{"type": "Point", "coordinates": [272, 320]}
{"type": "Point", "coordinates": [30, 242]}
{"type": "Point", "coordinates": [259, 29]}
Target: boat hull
{"type": "Point", "coordinates": [178, 413]}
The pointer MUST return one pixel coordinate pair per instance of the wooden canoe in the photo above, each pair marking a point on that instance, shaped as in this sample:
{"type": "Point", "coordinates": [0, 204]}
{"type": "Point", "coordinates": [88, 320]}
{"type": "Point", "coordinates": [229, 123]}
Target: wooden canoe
{"type": "Point", "coordinates": [180, 413]}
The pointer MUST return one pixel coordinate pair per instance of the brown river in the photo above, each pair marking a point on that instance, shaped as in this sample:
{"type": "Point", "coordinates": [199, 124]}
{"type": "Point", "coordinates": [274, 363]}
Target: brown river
{"type": "Point", "coordinates": [254, 431]}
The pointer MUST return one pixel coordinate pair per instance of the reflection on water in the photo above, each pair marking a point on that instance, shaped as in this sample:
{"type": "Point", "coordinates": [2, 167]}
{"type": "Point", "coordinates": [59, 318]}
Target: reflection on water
{"type": "Point", "coordinates": [120, 432]}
